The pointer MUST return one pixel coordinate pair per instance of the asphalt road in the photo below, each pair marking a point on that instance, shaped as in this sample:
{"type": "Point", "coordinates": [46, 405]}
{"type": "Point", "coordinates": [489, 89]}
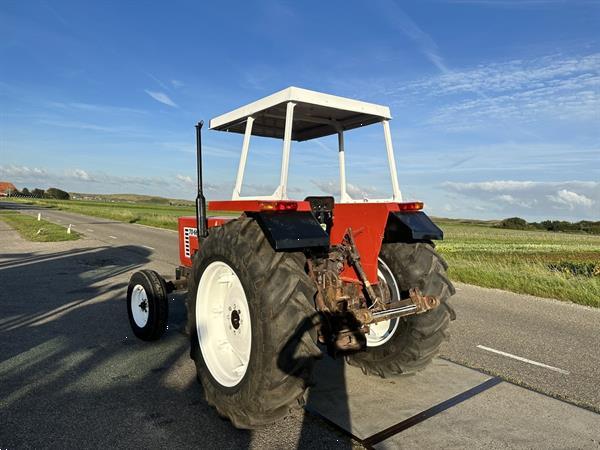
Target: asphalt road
{"type": "Point", "coordinates": [550, 332]}
{"type": "Point", "coordinates": [543, 344]}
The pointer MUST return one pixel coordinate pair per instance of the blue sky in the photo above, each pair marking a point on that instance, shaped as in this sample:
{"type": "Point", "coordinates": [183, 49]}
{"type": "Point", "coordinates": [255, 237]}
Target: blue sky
{"type": "Point", "coordinates": [496, 103]}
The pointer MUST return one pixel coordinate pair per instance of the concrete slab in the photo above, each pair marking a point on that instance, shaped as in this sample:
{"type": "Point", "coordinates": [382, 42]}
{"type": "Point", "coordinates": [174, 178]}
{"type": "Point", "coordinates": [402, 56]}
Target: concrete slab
{"type": "Point", "coordinates": [364, 405]}
{"type": "Point", "coordinates": [504, 416]}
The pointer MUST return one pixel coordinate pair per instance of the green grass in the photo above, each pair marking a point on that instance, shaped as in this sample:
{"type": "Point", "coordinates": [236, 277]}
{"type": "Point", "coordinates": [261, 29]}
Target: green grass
{"type": "Point", "coordinates": [547, 264]}
{"type": "Point", "coordinates": [156, 215]}
{"type": "Point", "coordinates": [37, 231]}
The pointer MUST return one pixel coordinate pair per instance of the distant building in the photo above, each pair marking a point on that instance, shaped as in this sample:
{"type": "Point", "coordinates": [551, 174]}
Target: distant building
{"type": "Point", "coordinates": [6, 188]}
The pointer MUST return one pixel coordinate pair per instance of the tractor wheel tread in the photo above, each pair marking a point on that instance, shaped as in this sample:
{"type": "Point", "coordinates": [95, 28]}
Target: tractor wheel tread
{"type": "Point", "coordinates": [280, 296]}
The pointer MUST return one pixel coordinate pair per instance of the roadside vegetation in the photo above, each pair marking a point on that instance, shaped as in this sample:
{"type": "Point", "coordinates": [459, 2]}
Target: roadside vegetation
{"type": "Point", "coordinates": [583, 226]}
{"type": "Point", "coordinates": [564, 266]}
{"type": "Point", "coordinates": [152, 214]}
{"type": "Point", "coordinates": [547, 264]}
{"type": "Point", "coordinates": [37, 230]}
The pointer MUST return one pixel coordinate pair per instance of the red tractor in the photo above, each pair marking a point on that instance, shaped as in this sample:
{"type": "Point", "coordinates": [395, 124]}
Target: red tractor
{"type": "Point", "coordinates": [272, 287]}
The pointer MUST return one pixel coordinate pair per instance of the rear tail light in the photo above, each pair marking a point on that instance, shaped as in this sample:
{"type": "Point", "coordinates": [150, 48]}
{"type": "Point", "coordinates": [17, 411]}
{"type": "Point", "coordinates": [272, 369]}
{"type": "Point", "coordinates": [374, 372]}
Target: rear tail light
{"type": "Point", "coordinates": [278, 206]}
{"type": "Point", "coordinates": [411, 206]}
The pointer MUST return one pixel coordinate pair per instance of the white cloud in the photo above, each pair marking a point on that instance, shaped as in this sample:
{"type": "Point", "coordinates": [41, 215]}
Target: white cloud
{"type": "Point", "coordinates": [559, 87]}
{"type": "Point", "coordinates": [177, 83]}
{"type": "Point", "coordinates": [80, 180]}
{"type": "Point", "coordinates": [81, 175]}
{"type": "Point", "coordinates": [20, 172]}
{"type": "Point", "coordinates": [186, 179]}
{"type": "Point", "coordinates": [162, 98]}
{"type": "Point", "coordinates": [571, 199]}
{"type": "Point", "coordinates": [355, 191]}
{"type": "Point", "coordinates": [491, 186]}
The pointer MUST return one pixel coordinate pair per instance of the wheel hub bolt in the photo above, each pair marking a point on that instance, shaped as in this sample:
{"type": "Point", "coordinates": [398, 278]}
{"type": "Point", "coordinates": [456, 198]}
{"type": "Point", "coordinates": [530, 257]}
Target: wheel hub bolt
{"type": "Point", "coordinates": [235, 319]}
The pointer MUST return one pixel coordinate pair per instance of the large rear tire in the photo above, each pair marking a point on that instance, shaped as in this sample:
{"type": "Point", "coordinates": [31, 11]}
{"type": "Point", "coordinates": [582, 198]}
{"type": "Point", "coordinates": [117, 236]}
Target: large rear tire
{"type": "Point", "coordinates": [253, 306]}
{"type": "Point", "coordinates": [408, 344]}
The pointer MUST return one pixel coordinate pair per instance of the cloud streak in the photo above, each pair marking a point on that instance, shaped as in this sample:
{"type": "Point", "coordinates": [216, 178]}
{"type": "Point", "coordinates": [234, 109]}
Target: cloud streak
{"type": "Point", "coordinates": [402, 22]}
{"type": "Point", "coordinates": [554, 87]}
{"type": "Point", "coordinates": [162, 98]}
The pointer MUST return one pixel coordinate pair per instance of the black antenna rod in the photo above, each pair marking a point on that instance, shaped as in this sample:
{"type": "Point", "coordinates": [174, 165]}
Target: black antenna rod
{"type": "Point", "coordinates": [201, 223]}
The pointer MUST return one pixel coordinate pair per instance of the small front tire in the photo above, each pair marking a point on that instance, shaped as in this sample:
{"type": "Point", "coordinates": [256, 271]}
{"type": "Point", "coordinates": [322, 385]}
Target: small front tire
{"type": "Point", "coordinates": [147, 305]}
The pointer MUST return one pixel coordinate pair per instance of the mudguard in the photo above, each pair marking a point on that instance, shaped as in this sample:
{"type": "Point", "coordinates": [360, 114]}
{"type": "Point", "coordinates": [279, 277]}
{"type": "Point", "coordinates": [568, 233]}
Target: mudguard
{"type": "Point", "coordinates": [289, 230]}
{"type": "Point", "coordinates": [411, 226]}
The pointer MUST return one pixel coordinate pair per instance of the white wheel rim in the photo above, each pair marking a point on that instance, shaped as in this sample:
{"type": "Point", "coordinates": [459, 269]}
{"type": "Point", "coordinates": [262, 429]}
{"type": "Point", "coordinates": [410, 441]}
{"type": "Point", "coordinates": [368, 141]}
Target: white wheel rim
{"type": "Point", "coordinates": [223, 324]}
{"type": "Point", "coordinates": [140, 307]}
{"type": "Point", "coordinates": [381, 332]}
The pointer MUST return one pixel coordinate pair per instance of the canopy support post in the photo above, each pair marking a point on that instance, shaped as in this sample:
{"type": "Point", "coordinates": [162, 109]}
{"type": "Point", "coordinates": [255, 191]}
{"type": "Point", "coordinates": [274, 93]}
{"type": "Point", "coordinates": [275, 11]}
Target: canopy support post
{"type": "Point", "coordinates": [397, 195]}
{"type": "Point", "coordinates": [344, 197]}
{"type": "Point", "coordinates": [237, 190]}
{"type": "Point", "coordinates": [281, 191]}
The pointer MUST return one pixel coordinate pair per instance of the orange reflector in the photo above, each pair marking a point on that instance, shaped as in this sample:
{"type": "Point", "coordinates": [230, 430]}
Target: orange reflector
{"type": "Point", "coordinates": [278, 206]}
{"type": "Point", "coordinates": [411, 206]}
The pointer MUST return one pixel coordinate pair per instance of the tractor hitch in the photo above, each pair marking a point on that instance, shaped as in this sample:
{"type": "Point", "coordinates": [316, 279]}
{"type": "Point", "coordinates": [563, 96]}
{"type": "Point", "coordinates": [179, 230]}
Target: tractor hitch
{"type": "Point", "coordinates": [417, 303]}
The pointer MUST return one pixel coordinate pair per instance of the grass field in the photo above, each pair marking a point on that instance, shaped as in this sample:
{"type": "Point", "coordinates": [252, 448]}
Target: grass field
{"type": "Point", "coordinates": [38, 231]}
{"type": "Point", "coordinates": [547, 264]}
{"type": "Point", "coordinates": [156, 215]}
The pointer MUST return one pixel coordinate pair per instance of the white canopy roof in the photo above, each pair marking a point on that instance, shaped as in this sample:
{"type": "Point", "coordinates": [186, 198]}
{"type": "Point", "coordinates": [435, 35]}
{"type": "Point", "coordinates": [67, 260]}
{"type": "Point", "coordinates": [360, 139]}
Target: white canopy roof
{"type": "Point", "coordinates": [315, 115]}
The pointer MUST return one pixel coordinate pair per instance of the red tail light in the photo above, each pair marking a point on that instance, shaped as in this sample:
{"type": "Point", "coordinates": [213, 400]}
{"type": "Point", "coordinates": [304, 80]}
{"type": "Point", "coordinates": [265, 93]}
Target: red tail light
{"type": "Point", "coordinates": [411, 206]}
{"type": "Point", "coordinates": [278, 206]}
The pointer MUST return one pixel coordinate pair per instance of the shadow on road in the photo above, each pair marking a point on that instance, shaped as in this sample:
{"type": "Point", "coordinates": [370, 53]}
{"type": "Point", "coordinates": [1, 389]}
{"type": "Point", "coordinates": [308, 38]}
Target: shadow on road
{"type": "Point", "coordinates": [326, 371]}
{"type": "Point", "coordinates": [72, 373]}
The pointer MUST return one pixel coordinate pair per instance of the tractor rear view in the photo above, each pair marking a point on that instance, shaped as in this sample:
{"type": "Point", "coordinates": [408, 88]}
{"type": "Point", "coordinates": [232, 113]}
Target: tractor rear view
{"type": "Point", "coordinates": [270, 290]}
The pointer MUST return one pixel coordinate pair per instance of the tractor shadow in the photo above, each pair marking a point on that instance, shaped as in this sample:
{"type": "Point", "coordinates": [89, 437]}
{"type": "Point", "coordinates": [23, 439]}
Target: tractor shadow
{"type": "Point", "coordinates": [329, 375]}
{"type": "Point", "coordinates": [73, 374]}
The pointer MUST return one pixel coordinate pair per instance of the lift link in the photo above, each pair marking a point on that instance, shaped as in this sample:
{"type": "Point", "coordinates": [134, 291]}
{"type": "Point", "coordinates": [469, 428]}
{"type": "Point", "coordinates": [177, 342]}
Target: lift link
{"type": "Point", "coordinates": [417, 303]}
{"type": "Point", "coordinates": [354, 257]}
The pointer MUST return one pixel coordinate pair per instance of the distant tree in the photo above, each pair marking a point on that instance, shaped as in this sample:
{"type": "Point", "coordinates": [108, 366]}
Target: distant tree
{"type": "Point", "coordinates": [38, 193]}
{"type": "Point", "coordinates": [56, 193]}
{"type": "Point", "coordinates": [25, 191]}
{"type": "Point", "coordinates": [514, 223]}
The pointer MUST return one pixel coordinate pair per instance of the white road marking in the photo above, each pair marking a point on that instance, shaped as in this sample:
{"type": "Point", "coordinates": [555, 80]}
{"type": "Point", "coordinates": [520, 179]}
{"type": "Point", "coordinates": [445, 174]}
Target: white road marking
{"type": "Point", "coordinates": [147, 246]}
{"type": "Point", "coordinates": [112, 237]}
{"type": "Point", "coordinates": [519, 358]}
{"type": "Point", "coordinates": [89, 229]}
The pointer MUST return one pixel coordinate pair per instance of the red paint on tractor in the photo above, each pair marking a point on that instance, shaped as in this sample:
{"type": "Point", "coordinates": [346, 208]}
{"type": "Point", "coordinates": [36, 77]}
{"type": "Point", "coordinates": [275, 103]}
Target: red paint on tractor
{"type": "Point", "coordinates": [256, 205]}
{"type": "Point", "coordinates": [368, 221]}
{"type": "Point", "coordinates": [188, 236]}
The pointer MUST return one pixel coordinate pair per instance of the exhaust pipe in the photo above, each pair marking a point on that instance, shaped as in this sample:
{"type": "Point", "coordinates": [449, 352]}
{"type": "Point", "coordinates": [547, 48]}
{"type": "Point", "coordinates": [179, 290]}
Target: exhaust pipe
{"type": "Point", "coordinates": [201, 222]}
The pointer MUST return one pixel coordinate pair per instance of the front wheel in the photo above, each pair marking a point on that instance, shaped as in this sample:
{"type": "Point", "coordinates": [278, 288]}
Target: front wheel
{"type": "Point", "coordinates": [253, 335]}
{"type": "Point", "coordinates": [147, 305]}
{"type": "Point", "coordinates": [408, 344]}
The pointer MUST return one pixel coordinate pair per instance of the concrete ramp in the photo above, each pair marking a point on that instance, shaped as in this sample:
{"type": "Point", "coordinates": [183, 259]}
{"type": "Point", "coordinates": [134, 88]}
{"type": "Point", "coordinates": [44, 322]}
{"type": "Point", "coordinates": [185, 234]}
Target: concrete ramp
{"type": "Point", "coordinates": [447, 405]}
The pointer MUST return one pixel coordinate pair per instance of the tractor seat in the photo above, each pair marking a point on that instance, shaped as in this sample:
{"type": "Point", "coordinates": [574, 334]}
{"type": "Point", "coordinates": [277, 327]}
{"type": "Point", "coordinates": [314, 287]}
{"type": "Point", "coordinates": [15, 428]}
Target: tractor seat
{"type": "Point", "coordinates": [322, 208]}
{"type": "Point", "coordinates": [320, 203]}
